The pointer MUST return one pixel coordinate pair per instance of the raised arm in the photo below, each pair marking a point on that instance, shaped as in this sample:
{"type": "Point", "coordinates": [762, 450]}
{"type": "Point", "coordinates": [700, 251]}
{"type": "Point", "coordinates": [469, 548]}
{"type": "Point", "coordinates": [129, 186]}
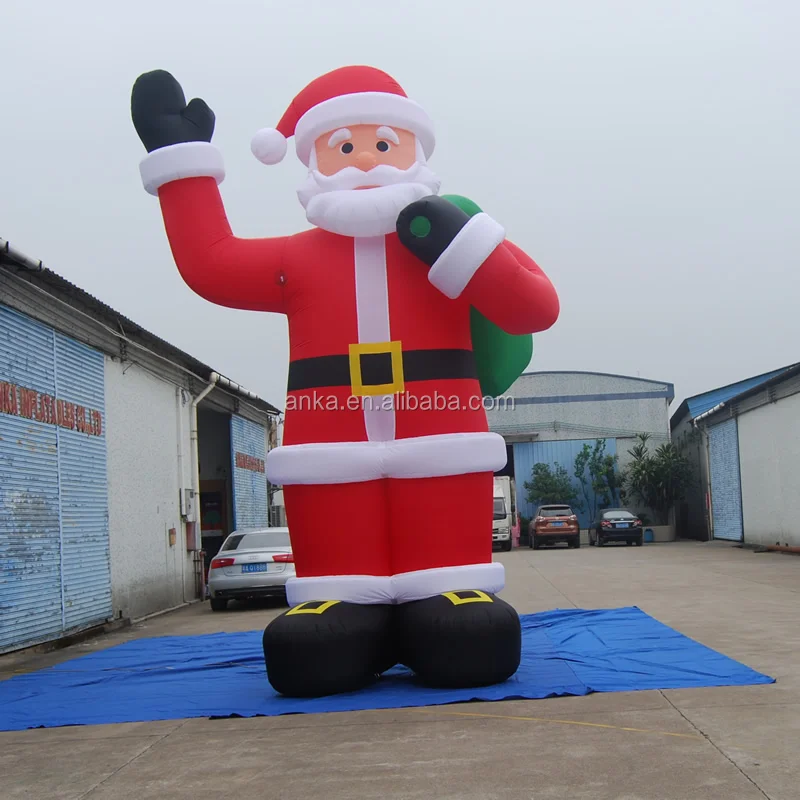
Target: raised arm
{"type": "Point", "coordinates": [183, 169]}
{"type": "Point", "coordinates": [470, 257]}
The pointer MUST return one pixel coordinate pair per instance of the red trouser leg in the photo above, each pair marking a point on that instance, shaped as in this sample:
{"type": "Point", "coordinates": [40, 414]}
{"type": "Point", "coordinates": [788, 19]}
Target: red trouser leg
{"type": "Point", "coordinates": [444, 526]}
{"type": "Point", "coordinates": [339, 531]}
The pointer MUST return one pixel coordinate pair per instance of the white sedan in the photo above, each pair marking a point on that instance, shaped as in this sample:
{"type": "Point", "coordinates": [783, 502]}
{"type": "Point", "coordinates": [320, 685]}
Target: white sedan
{"type": "Point", "coordinates": [251, 564]}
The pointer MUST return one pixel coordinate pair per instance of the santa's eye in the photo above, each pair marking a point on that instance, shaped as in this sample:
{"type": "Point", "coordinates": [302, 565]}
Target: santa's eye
{"type": "Point", "coordinates": [347, 148]}
{"type": "Point", "coordinates": [383, 146]}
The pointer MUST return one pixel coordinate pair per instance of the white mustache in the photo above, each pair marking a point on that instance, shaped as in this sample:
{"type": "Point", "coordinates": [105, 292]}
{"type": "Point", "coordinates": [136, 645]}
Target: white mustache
{"type": "Point", "coordinates": [352, 177]}
{"type": "Point", "coordinates": [334, 203]}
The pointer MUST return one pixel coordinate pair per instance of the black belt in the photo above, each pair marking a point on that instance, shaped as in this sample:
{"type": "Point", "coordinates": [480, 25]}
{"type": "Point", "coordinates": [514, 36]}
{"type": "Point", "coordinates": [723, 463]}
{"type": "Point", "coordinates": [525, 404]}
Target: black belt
{"type": "Point", "coordinates": [378, 366]}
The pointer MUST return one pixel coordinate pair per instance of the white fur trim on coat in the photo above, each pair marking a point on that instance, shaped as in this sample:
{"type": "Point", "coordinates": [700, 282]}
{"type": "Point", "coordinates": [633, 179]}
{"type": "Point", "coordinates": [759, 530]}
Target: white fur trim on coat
{"type": "Point", "coordinates": [355, 462]}
{"type": "Point", "coordinates": [362, 108]}
{"type": "Point", "coordinates": [403, 588]}
{"type": "Point", "coordinates": [473, 244]}
{"type": "Point", "coordinates": [184, 160]}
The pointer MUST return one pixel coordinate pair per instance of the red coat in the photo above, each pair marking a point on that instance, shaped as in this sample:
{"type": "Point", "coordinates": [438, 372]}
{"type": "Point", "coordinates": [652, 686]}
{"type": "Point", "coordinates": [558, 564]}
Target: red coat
{"type": "Point", "coordinates": [333, 291]}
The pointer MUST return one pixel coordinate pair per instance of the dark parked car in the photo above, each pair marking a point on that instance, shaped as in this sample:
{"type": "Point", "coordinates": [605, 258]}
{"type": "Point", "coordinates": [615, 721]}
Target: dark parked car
{"type": "Point", "coordinates": [554, 524]}
{"type": "Point", "coordinates": [616, 525]}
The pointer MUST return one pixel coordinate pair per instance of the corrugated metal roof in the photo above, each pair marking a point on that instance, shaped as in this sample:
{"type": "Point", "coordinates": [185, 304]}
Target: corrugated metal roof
{"type": "Point", "coordinates": [670, 388]}
{"type": "Point", "coordinates": [700, 403]}
{"type": "Point", "coordinates": [31, 270]}
{"type": "Point", "coordinates": [784, 384]}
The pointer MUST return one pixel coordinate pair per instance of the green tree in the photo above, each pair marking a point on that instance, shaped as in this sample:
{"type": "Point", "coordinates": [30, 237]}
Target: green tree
{"type": "Point", "coordinates": [657, 480]}
{"type": "Point", "coordinates": [550, 486]}
{"type": "Point", "coordinates": [597, 475]}
{"type": "Point", "coordinates": [609, 480]}
{"type": "Point", "coordinates": [580, 471]}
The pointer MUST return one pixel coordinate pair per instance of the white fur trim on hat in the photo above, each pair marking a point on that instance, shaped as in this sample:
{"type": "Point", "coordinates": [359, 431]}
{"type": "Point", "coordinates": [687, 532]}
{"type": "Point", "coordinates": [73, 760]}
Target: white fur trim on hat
{"type": "Point", "coordinates": [183, 160]}
{"type": "Point", "coordinates": [363, 108]}
{"type": "Point", "coordinates": [269, 146]}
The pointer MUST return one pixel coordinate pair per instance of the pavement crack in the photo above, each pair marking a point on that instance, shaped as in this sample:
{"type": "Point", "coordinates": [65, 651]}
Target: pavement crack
{"type": "Point", "coordinates": [551, 584]}
{"type": "Point", "coordinates": [716, 746]}
{"type": "Point", "coordinates": [130, 761]}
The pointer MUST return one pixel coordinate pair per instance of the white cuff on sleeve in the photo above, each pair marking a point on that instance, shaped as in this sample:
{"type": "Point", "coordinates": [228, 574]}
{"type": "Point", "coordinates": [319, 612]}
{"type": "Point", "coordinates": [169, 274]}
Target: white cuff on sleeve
{"type": "Point", "coordinates": [473, 244]}
{"type": "Point", "coordinates": [184, 160]}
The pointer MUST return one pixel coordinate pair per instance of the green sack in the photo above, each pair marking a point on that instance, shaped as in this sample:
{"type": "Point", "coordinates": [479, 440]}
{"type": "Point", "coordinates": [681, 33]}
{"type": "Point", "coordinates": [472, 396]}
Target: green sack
{"type": "Point", "coordinates": [500, 357]}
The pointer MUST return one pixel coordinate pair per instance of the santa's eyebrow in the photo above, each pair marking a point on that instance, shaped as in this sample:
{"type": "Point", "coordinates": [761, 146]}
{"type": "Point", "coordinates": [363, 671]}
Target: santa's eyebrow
{"type": "Point", "coordinates": [387, 133]}
{"type": "Point", "coordinates": [342, 135]}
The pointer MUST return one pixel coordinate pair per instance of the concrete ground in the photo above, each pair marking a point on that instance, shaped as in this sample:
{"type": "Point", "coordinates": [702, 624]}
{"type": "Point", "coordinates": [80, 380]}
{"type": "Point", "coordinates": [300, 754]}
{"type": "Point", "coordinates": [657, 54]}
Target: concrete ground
{"type": "Point", "coordinates": [737, 743]}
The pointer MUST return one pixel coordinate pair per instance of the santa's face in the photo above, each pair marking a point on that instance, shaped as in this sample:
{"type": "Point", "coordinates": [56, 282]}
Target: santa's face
{"type": "Point", "coordinates": [361, 177]}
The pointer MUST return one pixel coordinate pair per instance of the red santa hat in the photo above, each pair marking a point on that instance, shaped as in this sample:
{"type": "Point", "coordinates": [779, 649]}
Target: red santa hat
{"type": "Point", "coordinates": [347, 96]}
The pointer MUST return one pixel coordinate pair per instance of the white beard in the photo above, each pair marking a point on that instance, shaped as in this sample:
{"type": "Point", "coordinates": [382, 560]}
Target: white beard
{"type": "Point", "coordinates": [334, 204]}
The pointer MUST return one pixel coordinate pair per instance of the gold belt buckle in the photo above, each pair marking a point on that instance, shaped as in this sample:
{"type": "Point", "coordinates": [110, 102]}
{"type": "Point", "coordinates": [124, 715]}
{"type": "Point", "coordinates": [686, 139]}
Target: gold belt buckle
{"type": "Point", "coordinates": [393, 349]}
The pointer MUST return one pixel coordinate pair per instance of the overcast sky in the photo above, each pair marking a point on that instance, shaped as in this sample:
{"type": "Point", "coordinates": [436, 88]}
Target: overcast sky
{"type": "Point", "coordinates": [645, 153]}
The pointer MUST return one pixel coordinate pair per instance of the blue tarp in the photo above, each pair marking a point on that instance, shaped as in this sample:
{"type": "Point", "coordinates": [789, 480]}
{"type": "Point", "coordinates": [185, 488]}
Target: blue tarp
{"type": "Point", "coordinates": [565, 652]}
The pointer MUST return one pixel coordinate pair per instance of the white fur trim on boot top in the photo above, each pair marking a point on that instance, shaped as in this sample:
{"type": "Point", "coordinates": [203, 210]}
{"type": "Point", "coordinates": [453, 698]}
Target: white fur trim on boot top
{"type": "Point", "coordinates": [403, 588]}
{"type": "Point", "coordinates": [473, 244]}
{"type": "Point", "coordinates": [418, 457]}
{"type": "Point", "coordinates": [410, 586]}
{"type": "Point", "coordinates": [364, 589]}
{"type": "Point", "coordinates": [184, 160]}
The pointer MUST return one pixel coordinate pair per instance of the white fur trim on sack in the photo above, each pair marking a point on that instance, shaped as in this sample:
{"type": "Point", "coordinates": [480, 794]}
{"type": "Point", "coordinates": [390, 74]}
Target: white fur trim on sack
{"type": "Point", "coordinates": [403, 588]}
{"type": "Point", "coordinates": [356, 462]}
{"type": "Point", "coordinates": [473, 244]}
{"type": "Point", "coordinates": [184, 160]}
{"type": "Point", "coordinates": [363, 108]}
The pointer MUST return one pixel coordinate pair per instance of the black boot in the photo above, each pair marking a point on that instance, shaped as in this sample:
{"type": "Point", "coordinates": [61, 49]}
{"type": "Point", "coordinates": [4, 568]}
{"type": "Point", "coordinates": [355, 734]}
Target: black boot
{"type": "Point", "coordinates": [328, 647]}
{"type": "Point", "coordinates": [459, 639]}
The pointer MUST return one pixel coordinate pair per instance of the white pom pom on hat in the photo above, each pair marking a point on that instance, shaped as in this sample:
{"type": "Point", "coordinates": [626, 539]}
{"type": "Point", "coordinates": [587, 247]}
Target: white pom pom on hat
{"type": "Point", "coordinates": [345, 96]}
{"type": "Point", "coordinates": [269, 146]}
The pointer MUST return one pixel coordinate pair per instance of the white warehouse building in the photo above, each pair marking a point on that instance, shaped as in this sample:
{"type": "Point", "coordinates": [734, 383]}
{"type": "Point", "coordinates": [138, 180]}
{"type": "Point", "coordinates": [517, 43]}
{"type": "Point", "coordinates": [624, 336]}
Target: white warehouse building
{"type": "Point", "coordinates": [547, 417]}
{"type": "Point", "coordinates": [744, 442]}
{"type": "Point", "coordinates": [123, 461]}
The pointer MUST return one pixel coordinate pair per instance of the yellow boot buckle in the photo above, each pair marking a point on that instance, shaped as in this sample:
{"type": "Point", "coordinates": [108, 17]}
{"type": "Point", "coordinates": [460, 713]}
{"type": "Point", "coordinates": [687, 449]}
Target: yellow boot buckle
{"type": "Point", "coordinates": [314, 607]}
{"type": "Point", "coordinates": [472, 596]}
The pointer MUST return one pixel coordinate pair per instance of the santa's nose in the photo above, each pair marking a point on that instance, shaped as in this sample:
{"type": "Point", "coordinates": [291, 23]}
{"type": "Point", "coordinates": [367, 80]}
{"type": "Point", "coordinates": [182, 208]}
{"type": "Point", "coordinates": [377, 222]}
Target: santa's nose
{"type": "Point", "coordinates": [366, 161]}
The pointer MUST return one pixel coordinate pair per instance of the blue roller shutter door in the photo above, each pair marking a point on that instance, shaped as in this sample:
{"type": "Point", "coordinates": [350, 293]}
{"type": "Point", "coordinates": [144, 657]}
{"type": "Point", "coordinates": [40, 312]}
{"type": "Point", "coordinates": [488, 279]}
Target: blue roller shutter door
{"type": "Point", "coordinates": [726, 485]}
{"type": "Point", "coordinates": [84, 488]}
{"type": "Point", "coordinates": [30, 533]}
{"type": "Point", "coordinates": [54, 552]}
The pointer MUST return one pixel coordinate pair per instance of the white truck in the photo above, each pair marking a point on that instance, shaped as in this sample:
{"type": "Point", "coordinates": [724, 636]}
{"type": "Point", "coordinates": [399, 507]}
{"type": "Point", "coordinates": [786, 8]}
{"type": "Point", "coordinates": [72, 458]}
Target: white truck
{"type": "Point", "coordinates": [503, 517]}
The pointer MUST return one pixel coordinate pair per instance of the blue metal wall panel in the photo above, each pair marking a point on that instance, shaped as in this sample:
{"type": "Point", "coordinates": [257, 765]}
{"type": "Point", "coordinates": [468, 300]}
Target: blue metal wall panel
{"type": "Point", "coordinates": [86, 564]}
{"type": "Point", "coordinates": [562, 453]}
{"type": "Point", "coordinates": [30, 557]}
{"type": "Point", "coordinates": [248, 455]}
{"type": "Point", "coordinates": [52, 484]}
{"type": "Point", "coordinates": [30, 546]}
{"type": "Point", "coordinates": [726, 483]}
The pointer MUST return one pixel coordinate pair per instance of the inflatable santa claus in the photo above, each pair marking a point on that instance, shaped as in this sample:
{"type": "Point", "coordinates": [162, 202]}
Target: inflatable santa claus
{"type": "Point", "coordinates": [387, 462]}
